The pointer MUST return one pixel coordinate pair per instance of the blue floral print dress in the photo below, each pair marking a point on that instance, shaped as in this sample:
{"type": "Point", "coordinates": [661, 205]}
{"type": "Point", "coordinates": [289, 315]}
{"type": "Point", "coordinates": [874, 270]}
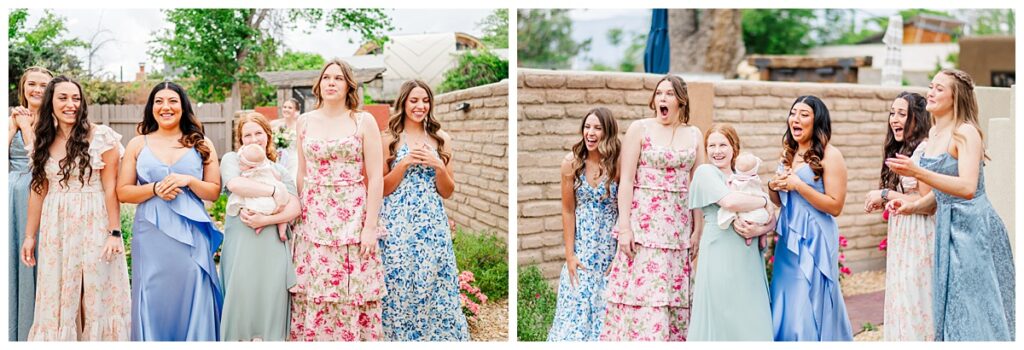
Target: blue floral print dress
{"type": "Point", "coordinates": [581, 309]}
{"type": "Point", "coordinates": [422, 303]}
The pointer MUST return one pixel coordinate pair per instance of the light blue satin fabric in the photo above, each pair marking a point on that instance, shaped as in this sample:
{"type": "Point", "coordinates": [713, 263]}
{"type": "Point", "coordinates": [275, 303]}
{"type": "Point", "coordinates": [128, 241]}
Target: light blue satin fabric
{"type": "Point", "coordinates": [807, 303]}
{"type": "Point", "coordinates": [21, 279]}
{"type": "Point", "coordinates": [176, 294]}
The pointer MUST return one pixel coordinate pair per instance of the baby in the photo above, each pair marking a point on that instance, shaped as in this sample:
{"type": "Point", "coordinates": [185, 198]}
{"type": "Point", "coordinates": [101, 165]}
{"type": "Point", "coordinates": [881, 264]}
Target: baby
{"type": "Point", "coordinates": [745, 180]}
{"type": "Point", "coordinates": [255, 166]}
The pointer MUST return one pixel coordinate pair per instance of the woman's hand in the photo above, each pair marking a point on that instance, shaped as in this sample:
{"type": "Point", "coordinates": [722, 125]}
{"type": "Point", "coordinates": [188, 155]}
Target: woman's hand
{"type": "Point", "coordinates": [367, 242]}
{"type": "Point", "coordinates": [747, 229]}
{"type": "Point", "coordinates": [873, 201]}
{"type": "Point", "coordinates": [571, 264]}
{"type": "Point", "coordinates": [775, 184]}
{"type": "Point", "coordinates": [166, 193]}
{"type": "Point", "coordinates": [22, 118]}
{"type": "Point", "coordinates": [788, 182]}
{"type": "Point", "coordinates": [112, 248]}
{"type": "Point", "coordinates": [253, 219]}
{"type": "Point", "coordinates": [903, 166]}
{"type": "Point", "coordinates": [28, 251]}
{"type": "Point", "coordinates": [281, 198]}
{"type": "Point", "coordinates": [626, 244]}
{"type": "Point", "coordinates": [901, 206]}
{"type": "Point", "coordinates": [425, 155]}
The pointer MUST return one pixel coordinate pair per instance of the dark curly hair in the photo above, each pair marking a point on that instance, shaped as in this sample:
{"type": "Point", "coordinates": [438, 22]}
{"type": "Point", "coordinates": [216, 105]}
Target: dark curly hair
{"type": "Point", "coordinates": [915, 130]}
{"type": "Point", "coordinates": [822, 134]}
{"type": "Point", "coordinates": [77, 147]}
{"type": "Point", "coordinates": [192, 132]}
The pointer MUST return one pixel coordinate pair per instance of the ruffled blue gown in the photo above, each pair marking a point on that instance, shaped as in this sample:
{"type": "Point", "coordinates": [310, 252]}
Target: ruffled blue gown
{"type": "Point", "coordinates": [807, 303]}
{"type": "Point", "coordinates": [176, 294]}
{"type": "Point", "coordinates": [974, 275]}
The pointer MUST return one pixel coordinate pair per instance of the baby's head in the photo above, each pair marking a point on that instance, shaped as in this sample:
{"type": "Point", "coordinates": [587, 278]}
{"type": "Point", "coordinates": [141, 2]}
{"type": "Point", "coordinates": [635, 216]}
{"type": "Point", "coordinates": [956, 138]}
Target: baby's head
{"type": "Point", "coordinates": [747, 163]}
{"type": "Point", "coordinates": [251, 155]}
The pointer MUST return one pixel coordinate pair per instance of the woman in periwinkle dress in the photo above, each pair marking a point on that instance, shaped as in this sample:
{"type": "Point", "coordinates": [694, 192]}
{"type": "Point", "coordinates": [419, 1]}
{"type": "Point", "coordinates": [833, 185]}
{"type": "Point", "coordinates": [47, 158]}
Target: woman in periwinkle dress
{"type": "Point", "coordinates": [810, 186]}
{"type": "Point", "coordinates": [169, 169]}
{"type": "Point", "coordinates": [419, 261]}
{"type": "Point", "coordinates": [974, 274]}
{"type": "Point", "coordinates": [21, 279]}
{"type": "Point", "coordinates": [590, 176]}
{"type": "Point", "coordinates": [730, 298]}
{"type": "Point", "coordinates": [256, 268]}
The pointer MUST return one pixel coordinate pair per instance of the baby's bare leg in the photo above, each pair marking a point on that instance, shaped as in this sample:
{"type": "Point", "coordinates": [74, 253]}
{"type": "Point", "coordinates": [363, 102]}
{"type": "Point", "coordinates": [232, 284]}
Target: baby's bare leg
{"type": "Point", "coordinates": [282, 231]}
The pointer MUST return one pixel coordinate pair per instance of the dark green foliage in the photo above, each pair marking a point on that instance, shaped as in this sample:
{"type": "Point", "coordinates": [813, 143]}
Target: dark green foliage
{"type": "Point", "coordinates": [42, 45]}
{"type": "Point", "coordinates": [474, 69]}
{"type": "Point", "coordinates": [536, 305]}
{"type": "Point", "coordinates": [545, 39]}
{"type": "Point", "coordinates": [486, 256]}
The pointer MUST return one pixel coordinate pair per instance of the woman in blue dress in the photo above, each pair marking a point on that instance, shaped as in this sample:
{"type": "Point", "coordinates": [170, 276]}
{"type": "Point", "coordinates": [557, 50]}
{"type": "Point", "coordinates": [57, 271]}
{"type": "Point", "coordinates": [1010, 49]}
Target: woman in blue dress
{"type": "Point", "coordinates": [169, 169]}
{"type": "Point", "coordinates": [422, 303]}
{"type": "Point", "coordinates": [589, 211]}
{"type": "Point", "coordinates": [810, 187]}
{"type": "Point", "coordinates": [21, 279]}
{"type": "Point", "coordinates": [973, 282]}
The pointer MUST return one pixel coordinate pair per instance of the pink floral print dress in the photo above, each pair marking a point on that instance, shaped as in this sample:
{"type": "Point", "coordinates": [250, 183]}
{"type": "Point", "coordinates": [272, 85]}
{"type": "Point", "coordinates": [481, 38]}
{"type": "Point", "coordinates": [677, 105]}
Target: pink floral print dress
{"type": "Point", "coordinates": [648, 297]}
{"type": "Point", "coordinates": [339, 292]}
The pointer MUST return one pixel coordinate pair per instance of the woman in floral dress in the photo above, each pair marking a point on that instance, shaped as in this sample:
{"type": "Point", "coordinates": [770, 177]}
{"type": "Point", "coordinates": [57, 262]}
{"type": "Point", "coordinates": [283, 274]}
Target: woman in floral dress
{"type": "Point", "coordinates": [911, 237]}
{"type": "Point", "coordinates": [284, 128]}
{"type": "Point", "coordinates": [82, 291]}
{"type": "Point", "coordinates": [419, 260]}
{"type": "Point", "coordinates": [589, 212]}
{"type": "Point", "coordinates": [648, 291]}
{"type": "Point", "coordinates": [339, 273]}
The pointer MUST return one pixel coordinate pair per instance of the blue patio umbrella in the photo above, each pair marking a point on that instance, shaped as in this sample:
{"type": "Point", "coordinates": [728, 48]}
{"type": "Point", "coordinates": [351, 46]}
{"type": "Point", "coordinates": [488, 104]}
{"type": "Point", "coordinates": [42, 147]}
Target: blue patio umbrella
{"type": "Point", "coordinates": [656, 55]}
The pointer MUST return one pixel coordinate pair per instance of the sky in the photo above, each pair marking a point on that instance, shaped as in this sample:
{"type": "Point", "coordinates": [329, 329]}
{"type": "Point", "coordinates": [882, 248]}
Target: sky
{"type": "Point", "coordinates": [127, 32]}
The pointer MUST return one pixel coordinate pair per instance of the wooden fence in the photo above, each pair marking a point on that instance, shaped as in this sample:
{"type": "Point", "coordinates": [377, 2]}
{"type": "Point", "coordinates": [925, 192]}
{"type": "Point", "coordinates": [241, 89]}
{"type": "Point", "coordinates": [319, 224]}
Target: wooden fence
{"type": "Point", "coordinates": [216, 118]}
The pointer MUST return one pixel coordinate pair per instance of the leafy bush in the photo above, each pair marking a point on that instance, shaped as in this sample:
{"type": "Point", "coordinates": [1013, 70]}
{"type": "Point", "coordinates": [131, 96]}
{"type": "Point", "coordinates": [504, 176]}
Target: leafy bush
{"type": "Point", "coordinates": [474, 69]}
{"type": "Point", "coordinates": [486, 256]}
{"type": "Point", "coordinates": [218, 208]}
{"type": "Point", "coordinates": [127, 220]}
{"type": "Point", "coordinates": [537, 303]}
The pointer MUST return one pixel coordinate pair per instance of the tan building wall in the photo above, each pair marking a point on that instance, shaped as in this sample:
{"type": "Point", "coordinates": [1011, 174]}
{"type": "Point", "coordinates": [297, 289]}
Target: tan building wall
{"type": "Point", "coordinates": [480, 150]}
{"type": "Point", "coordinates": [551, 104]}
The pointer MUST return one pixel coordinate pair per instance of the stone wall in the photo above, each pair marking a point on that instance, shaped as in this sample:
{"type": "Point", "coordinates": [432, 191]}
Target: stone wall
{"type": "Point", "coordinates": [480, 149]}
{"type": "Point", "coordinates": [551, 104]}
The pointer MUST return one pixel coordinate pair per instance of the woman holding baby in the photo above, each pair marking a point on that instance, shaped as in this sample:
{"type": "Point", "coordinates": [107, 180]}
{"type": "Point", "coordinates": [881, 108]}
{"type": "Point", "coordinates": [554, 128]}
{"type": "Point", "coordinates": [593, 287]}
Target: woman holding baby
{"type": "Point", "coordinates": [810, 186]}
{"type": "Point", "coordinates": [256, 262]}
{"type": "Point", "coordinates": [730, 298]}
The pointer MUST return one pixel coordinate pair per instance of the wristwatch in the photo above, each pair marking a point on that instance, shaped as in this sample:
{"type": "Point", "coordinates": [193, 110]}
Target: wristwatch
{"type": "Point", "coordinates": [115, 233]}
{"type": "Point", "coordinates": [885, 194]}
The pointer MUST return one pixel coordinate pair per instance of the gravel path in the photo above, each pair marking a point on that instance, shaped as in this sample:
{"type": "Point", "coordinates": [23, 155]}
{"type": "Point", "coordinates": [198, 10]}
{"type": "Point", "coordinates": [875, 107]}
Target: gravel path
{"type": "Point", "coordinates": [862, 283]}
{"type": "Point", "coordinates": [492, 324]}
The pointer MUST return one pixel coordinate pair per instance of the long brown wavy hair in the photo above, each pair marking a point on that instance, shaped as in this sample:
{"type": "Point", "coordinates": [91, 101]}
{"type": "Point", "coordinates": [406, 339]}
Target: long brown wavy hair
{"type": "Point", "coordinates": [192, 132]}
{"type": "Point", "coordinates": [77, 147]}
{"type": "Point", "coordinates": [965, 105]}
{"type": "Point", "coordinates": [396, 125]}
{"type": "Point", "coordinates": [22, 100]}
{"type": "Point", "coordinates": [915, 130]}
{"type": "Point", "coordinates": [682, 97]}
{"type": "Point", "coordinates": [260, 120]}
{"type": "Point", "coordinates": [609, 147]}
{"type": "Point", "coordinates": [819, 140]}
{"type": "Point", "coordinates": [351, 97]}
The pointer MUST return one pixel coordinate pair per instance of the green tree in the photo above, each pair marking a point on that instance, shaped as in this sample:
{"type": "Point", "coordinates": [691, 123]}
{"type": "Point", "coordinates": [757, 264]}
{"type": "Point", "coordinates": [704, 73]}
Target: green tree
{"type": "Point", "coordinates": [43, 44]}
{"type": "Point", "coordinates": [474, 69]}
{"type": "Point", "coordinates": [777, 31]}
{"type": "Point", "coordinates": [633, 52]}
{"type": "Point", "coordinates": [495, 27]}
{"type": "Point", "coordinates": [990, 21]}
{"type": "Point", "coordinates": [296, 60]}
{"type": "Point", "coordinates": [545, 39]}
{"type": "Point", "coordinates": [221, 49]}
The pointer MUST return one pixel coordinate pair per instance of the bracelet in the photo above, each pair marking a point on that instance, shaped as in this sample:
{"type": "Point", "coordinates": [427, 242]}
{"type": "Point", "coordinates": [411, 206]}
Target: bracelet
{"type": "Point", "coordinates": [273, 192]}
{"type": "Point", "coordinates": [154, 187]}
{"type": "Point", "coordinates": [766, 202]}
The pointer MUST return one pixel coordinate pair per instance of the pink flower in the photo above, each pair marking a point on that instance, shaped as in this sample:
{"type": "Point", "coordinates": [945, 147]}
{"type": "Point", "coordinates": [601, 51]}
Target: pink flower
{"type": "Point", "coordinates": [884, 244]}
{"type": "Point", "coordinates": [846, 270]}
{"type": "Point", "coordinates": [842, 257]}
{"type": "Point", "coordinates": [842, 241]}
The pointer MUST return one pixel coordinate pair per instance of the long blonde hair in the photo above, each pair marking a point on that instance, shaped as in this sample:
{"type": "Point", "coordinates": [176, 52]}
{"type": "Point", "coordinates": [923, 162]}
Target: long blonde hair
{"type": "Point", "coordinates": [608, 147]}
{"type": "Point", "coordinates": [351, 97]}
{"type": "Point", "coordinates": [22, 101]}
{"type": "Point", "coordinates": [965, 105]}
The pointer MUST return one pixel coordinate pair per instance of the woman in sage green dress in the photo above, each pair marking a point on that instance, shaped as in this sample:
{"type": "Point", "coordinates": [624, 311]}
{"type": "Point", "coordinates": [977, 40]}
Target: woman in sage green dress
{"type": "Point", "coordinates": [256, 268]}
{"type": "Point", "coordinates": [730, 298]}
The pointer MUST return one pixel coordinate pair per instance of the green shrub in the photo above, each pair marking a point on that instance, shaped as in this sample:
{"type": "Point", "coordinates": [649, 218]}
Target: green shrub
{"type": "Point", "coordinates": [127, 220]}
{"type": "Point", "coordinates": [537, 303]}
{"type": "Point", "coordinates": [487, 256]}
{"type": "Point", "coordinates": [474, 69]}
{"type": "Point", "coordinates": [218, 208]}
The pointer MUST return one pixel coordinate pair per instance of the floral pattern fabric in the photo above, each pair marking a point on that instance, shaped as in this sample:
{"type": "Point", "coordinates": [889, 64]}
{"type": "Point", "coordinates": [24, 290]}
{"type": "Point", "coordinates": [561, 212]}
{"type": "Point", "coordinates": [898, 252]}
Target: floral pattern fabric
{"type": "Point", "coordinates": [652, 290]}
{"type": "Point", "coordinates": [419, 261]}
{"type": "Point", "coordinates": [72, 277]}
{"type": "Point", "coordinates": [580, 311]}
{"type": "Point", "coordinates": [338, 291]}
